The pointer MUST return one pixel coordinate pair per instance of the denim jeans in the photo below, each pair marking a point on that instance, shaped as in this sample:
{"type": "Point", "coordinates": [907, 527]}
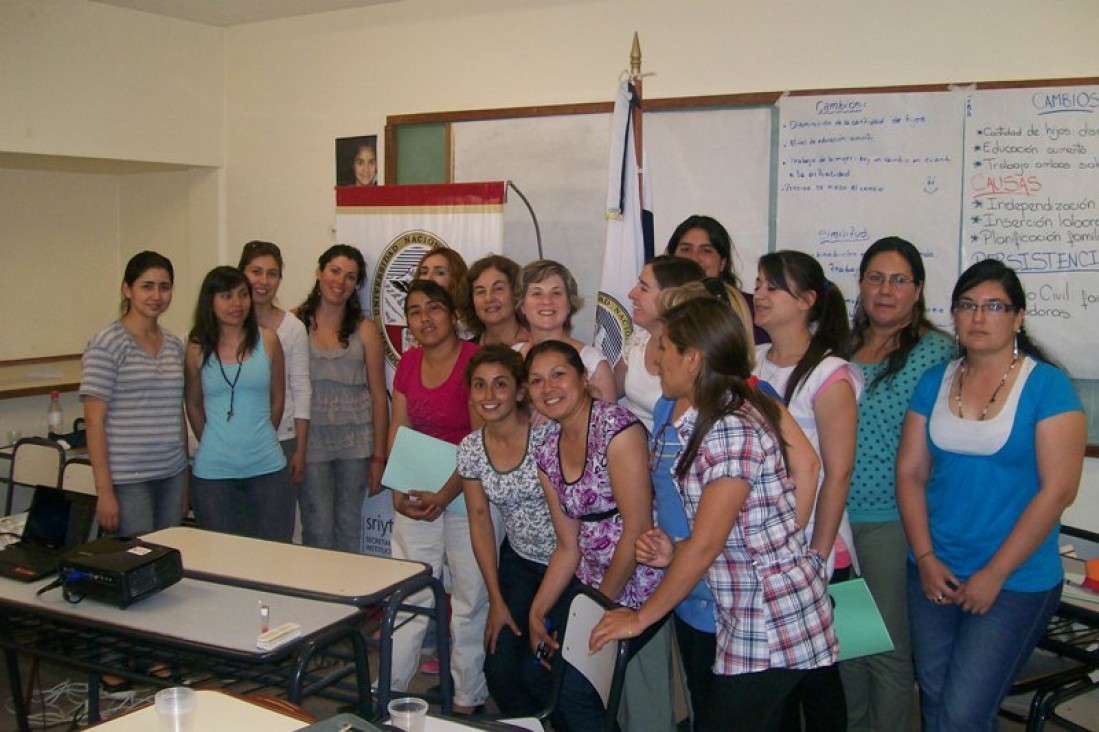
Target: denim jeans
{"type": "Point", "coordinates": [330, 499]}
{"type": "Point", "coordinates": [520, 685]}
{"type": "Point", "coordinates": [965, 663]}
{"type": "Point", "coordinates": [261, 507]}
{"type": "Point", "coordinates": [150, 505]}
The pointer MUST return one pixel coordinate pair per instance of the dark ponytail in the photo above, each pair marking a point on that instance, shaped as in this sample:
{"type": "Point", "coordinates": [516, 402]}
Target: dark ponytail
{"type": "Point", "coordinates": [799, 274]}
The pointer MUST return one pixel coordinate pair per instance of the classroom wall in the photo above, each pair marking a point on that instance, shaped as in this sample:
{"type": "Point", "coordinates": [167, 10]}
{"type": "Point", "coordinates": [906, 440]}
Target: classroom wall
{"type": "Point", "coordinates": [257, 107]}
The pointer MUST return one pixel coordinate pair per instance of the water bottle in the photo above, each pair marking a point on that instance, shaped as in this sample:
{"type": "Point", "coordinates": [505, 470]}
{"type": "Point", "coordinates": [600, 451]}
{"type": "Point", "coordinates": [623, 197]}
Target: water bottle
{"type": "Point", "coordinates": [55, 416]}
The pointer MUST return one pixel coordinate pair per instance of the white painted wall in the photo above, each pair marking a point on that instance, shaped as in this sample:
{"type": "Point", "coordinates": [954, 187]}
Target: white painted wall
{"type": "Point", "coordinates": [260, 104]}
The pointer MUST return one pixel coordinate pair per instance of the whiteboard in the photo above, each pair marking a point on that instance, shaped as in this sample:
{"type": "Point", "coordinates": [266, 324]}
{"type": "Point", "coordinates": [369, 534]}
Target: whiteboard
{"type": "Point", "coordinates": [715, 162]}
{"type": "Point", "coordinates": [1031, 184]}
{"type": "Point", "coordinates": [855, 168]}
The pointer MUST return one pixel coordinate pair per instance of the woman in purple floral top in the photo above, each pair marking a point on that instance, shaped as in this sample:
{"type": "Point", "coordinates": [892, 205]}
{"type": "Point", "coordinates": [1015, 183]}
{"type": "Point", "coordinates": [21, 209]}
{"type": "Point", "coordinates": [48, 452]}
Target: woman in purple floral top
{"type": "Point", "coordinates": [593, 464]}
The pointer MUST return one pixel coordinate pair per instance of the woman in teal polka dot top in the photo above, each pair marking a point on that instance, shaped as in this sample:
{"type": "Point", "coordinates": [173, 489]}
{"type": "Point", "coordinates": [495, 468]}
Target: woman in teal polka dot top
{"type": "Point", "coordinates": [893, 343]}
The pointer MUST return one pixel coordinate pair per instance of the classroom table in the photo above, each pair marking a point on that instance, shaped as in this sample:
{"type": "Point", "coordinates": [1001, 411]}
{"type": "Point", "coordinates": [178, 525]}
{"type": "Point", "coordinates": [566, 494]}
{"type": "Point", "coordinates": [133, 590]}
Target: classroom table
{"type": "Point", "coordinates": [321, 574]}
{"type": "Point", "coordinates": [191, 625]}
{"type": "Point", "coordinates": [215, 711]}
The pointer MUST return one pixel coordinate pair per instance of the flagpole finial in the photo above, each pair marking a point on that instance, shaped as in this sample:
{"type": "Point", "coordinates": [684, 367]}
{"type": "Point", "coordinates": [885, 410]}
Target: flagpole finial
{"type": "Point", "coordinates": [635, 57]}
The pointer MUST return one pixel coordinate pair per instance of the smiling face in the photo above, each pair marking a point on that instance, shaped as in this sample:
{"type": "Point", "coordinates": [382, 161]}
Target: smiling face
{"type": "Point", "coordinates": [776, 307]}
{"type": "Point", "coordinates": [643, 297]}
{"type": "Point", "coordinates": [493, 299]}
{"type": "Point", "coordinates": [982, 331]}
{"type": "Point", "coordinates": [232, 306]}
{"type": "Point", "coordinates": [494, 393]}
{"type": "Point", "coordinates": [678, 370]}
{"type": "Point", "coordinates": [431, 322]}
{"type": "Point", "coordinates": [696, 245]}
{"type": "Point", "coordinates": [265, 275]}
{"type": "Point", "coordinates": [366, 166]}
{"type": "Point", "coordinates": [546, 305]}
{"type": "Point", "coordinates": [436, 267]}
{"type": "Point", "coordinates": [150, 294]}
{"type": "Point", "coordinates": [557, 390]}
{"type": "Point", "coordinates": [889, 306]}
{"type": "Point", "coordinates": [338, 280]}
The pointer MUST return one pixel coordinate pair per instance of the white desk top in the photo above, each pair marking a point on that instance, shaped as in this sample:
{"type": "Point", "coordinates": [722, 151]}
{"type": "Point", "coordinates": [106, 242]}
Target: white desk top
{"type": "Point", "coordinates": [195, 613]}
{"type": "Point", "coordinates": [357, 579]}
{"type": "Point", "coordinates": [214, 712]}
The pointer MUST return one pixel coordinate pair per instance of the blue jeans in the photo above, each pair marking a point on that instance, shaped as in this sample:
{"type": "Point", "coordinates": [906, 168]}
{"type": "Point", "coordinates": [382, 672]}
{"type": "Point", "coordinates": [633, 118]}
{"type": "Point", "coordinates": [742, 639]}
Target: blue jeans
{"type": "Point", "coordinates": [520, 685]}
{"type": "Point", "coordinates": [261, 507]}
{"type": "Point", "coordinates": [330, 500]}
{"type": "Point", "coordinates": [965, 663]}
{"type": "Point", "coordinates": [150, 506]}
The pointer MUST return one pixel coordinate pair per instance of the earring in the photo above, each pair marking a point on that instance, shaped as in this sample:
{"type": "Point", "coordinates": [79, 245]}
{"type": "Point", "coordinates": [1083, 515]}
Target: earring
{"type": "Point", "coordinates": [1015, 349]}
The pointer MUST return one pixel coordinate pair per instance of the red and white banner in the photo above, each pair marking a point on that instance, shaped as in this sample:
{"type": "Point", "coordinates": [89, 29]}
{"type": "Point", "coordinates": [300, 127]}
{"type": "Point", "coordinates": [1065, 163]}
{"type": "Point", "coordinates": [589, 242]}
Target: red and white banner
{"type": "Point", "coordinates": [394, 226]}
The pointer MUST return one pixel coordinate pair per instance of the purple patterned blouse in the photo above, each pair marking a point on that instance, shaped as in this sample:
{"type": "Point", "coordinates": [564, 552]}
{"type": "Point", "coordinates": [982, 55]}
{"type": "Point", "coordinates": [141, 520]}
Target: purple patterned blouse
{"type": "Point", "coordinates": [591, 495]}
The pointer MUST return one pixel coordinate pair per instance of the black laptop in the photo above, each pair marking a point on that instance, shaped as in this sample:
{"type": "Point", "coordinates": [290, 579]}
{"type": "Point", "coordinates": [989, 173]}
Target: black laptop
{"type": "Point", "coordinates": [58, 520]}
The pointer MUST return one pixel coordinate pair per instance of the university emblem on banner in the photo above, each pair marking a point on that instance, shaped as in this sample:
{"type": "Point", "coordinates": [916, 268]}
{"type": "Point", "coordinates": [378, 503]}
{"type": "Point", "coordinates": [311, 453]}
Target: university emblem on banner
{"type": "Point", "coordinates": [396, 268]}
{"type": "Point", "coordinates": [612, 327]}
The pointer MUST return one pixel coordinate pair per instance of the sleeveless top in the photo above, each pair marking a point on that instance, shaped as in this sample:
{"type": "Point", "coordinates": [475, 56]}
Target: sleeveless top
{"type": "Point", "coordinates": [244, 445]}
{"type": "Point", "coordinates": [341, 423]}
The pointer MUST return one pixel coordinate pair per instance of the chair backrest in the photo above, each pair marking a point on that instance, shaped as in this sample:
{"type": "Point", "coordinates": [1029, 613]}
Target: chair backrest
{"type": "Point", "coordinates": [605, 670]}
{"type": "Point", "coordinates": [77, 476]}
{"type": "Point", "coordinates": [35, 461]}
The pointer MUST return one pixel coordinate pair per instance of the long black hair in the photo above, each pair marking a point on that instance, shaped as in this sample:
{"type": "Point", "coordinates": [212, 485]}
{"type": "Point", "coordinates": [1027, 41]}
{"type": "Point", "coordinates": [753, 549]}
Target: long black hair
{"type": "Point", "coordinates": [908, 336]}
{"type": "Point", "coordinates": [353, 312]}
{"type": "Point", "coordinates": [719, 238]}
{"type": "Point", "coordinates": [798, 274]}
{"type": "Point", "coordinates": [993, 270]}
{"type": "Point", "coordinates": [723, 383]}
{"type": "Point", "coordinates": [206, 330]}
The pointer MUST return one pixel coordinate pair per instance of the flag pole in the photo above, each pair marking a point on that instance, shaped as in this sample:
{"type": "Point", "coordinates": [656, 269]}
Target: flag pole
{"type": "Point", "coordinates": [635, 119]}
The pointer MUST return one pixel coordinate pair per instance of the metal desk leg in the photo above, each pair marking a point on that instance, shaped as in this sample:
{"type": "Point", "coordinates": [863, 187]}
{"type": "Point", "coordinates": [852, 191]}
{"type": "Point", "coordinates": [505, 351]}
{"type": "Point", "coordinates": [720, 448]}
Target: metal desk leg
{"type": "Point", "coordinates": [395, 604]}
{"type": "Point", "coordinates": [16, 683]}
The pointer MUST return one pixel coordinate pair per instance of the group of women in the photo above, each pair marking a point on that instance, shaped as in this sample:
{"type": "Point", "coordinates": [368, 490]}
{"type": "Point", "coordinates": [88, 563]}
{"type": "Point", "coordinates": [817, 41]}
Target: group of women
{"type": "Point", "coordinates": [935, 468]}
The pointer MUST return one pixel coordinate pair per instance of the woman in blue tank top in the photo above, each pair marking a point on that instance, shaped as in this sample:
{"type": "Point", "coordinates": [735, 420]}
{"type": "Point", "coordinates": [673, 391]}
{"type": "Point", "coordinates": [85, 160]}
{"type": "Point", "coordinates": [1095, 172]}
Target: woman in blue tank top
{"type": "Point", "coordinates": [234, 392]}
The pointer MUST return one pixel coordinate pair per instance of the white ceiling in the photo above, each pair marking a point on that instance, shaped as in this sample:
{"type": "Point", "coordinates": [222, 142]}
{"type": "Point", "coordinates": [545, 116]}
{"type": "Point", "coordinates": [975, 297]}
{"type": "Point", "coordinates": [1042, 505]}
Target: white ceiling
{"type": "Point", "coordinates": [237, 12]}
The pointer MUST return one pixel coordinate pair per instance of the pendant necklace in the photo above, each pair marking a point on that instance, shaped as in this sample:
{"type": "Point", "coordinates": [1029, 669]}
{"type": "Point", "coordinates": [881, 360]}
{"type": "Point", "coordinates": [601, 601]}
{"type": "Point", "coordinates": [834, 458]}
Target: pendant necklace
{"type": "Point", "coordinates": [995, 392]}
{"type": "Point", "coordinates": [232, 385]}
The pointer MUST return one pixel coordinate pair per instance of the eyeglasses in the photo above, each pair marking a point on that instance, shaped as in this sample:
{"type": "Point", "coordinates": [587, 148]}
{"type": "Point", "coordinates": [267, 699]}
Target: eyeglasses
{"type": "Point", "coordinates": [877, 279]}
{"type": "Point", "coordinates": [994, 307]}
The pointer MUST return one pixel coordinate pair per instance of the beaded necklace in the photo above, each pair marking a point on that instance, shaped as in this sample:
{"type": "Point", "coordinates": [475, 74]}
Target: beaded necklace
{"type": "Point", "coordinates": [992, 400]}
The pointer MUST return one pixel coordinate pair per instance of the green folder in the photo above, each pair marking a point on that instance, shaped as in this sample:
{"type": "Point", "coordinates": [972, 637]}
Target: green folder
{"type": "Point", "coordinates": [859, 627]}
{"type": "Point", "coordinates": [421, 462]}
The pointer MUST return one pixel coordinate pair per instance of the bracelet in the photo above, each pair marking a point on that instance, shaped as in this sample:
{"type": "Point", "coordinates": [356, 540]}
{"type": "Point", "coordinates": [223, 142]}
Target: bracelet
{"type": "Point", "coordinates": [925, 555]}
{"type": "Point", "coordinates": [377, 459]}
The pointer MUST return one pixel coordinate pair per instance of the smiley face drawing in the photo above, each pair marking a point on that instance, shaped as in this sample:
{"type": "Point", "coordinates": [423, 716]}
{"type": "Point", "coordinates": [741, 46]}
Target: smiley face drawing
{"type": "Point", "coordinates": [932, 185]}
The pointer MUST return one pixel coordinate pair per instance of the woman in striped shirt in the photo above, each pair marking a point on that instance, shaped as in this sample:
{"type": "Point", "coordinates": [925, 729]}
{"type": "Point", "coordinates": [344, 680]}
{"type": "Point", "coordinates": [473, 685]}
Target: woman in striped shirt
{"type": "Point", "coordinates": [132, 389]}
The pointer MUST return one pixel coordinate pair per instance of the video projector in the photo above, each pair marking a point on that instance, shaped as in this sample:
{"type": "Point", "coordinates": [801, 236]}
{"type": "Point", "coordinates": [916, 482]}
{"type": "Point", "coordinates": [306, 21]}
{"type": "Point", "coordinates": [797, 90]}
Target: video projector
{"type": "Point", "coordinates": [119, 571]}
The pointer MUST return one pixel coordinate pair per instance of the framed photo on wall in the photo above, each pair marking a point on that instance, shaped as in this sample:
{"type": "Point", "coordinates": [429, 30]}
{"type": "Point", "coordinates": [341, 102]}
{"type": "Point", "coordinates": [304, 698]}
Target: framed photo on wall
{"type": "Point", "coordinates": [357, 161]}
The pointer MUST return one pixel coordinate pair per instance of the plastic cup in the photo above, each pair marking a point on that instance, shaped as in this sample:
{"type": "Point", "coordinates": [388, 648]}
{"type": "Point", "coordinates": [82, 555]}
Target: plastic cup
{"type": "Point", "coordinates": [175, 709]}
{"type": "Point", "coordinates": [408, 713]}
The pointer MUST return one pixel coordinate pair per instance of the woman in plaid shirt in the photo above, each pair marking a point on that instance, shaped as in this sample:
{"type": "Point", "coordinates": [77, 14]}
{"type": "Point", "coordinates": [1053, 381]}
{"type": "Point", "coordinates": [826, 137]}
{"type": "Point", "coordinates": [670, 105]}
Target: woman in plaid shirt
{"type": "Point", "coordinates": [774, 621]}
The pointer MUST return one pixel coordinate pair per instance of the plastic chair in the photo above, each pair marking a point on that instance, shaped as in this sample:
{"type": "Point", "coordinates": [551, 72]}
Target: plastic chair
{"type": "Point", "coordinates": [606, 670]}
{"type": "Point", "coordinates": [77, 476]}
{"type": "Point", "coordinates": [34, 461]}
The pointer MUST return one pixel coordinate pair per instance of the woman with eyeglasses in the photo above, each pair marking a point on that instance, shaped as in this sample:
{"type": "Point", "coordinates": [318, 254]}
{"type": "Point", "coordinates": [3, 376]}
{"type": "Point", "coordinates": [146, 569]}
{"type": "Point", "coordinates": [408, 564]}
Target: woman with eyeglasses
{"type": "Point", "coordinates": [991, 455]}
{"type": "Point", "coordinates": [892, 343]}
